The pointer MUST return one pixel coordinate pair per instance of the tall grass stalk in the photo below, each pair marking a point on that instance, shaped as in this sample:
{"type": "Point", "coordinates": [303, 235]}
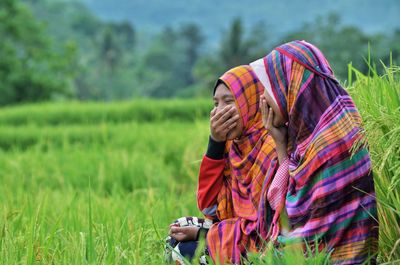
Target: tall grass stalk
{"type": "Point", "coordinates": [378, 100]}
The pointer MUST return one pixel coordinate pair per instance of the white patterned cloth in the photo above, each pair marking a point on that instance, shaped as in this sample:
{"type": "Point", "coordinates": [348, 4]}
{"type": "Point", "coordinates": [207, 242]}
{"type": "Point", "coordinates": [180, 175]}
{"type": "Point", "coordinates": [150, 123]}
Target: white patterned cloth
{"type": "Point", "coordinates": [175, 250]}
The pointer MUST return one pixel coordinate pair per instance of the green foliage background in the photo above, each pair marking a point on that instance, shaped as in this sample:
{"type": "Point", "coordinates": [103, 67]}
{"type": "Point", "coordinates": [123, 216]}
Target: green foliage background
{"type": "Point", "coordinates": [59, 49]}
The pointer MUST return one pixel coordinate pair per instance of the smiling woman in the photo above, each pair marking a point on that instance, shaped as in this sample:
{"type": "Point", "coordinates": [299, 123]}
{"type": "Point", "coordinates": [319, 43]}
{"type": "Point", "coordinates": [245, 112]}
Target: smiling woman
{"type": "Point", "coordinates": [235, 171]}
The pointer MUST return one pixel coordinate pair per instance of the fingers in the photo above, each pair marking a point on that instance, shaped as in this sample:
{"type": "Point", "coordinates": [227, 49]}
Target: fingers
{"type": "Point", "coordinates": [178, 236]}
{"type": "Point", "coordinates": [223, 121]}
{"type": "Point", "coordinates": [264, 110]}
{"type": "Point", "coordinates": [262, 98]}
{"type": "Point", "coordinates": [262, 107]}
{"type": "Point", "coordinates": [221, 116]}
{"type": "Point", "coordinates": [175, 232]}
{"type": "Point", "coordinates": [216, 114]}
{"type": "Point", "coordinates": [213, 111]}
{"type": "Point", "coordinates": [270, 116]}
{"type": "Point", "coordinates": [231, 121]}
{"type": "Point", "coordinates": [176, 229]}
{"type": "Point", "coordinates": [183, 233]}
{"type": "Point", "coordinates": [229, 124]}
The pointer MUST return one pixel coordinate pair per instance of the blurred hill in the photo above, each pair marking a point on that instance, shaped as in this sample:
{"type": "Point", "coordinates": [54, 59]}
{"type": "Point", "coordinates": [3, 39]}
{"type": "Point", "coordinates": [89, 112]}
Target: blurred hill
{"type": "Point", "coordinates": [279, 17]}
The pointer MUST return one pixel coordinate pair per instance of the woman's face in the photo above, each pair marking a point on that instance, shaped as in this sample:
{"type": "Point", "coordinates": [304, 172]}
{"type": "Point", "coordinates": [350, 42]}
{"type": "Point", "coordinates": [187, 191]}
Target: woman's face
{"type": "Point", "coordinates": [279, 119]}
{"type": "Point", "coordinates": [223, 97]}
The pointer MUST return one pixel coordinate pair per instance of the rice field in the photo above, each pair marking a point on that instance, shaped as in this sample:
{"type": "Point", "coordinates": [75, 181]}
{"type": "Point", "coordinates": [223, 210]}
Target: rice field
{"type": "Point", "coordinates": [92, 183]}
{"type": "Point", "coordinates": [95, 190]}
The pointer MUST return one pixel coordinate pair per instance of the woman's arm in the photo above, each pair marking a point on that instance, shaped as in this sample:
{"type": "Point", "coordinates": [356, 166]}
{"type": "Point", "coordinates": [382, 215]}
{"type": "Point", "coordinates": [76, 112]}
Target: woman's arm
{"type": "Point", "coordinates": [211, 178]}
{"type": "Point", "coordinates": [209, 185]}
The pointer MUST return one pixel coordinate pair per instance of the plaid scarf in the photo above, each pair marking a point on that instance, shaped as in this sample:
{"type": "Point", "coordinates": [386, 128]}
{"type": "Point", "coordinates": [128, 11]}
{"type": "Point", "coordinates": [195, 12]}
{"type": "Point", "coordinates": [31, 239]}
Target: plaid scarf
{"type": "Point", "coordinates": [250, 165]}
{"type": "Point", "coordinates": [331, 197]}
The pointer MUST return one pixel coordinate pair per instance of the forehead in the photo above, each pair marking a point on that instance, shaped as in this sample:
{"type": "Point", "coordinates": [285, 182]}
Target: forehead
{"type": "Point", "coordinates": [222, 91]}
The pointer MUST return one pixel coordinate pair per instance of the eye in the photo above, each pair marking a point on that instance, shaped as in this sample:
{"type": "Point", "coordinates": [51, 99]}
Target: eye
{"type": "Point", "coordinates": [229, 101]}
{"type": "Point", "coordinates": [215, 104]}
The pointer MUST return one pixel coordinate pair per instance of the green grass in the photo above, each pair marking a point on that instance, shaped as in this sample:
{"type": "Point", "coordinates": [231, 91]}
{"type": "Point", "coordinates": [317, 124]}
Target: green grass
{"type": "Point", "coordinates": [92, 183]}
{"type": "Point", "coordinates": [378, 100]}
{"type": "Point", "coordinates": [67, 113]}
{"type": "Point", "coordinates": [138, 173]}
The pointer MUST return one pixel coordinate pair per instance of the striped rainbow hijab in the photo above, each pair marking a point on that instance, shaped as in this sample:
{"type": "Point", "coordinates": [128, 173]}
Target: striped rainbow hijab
{"type": "Point", "coordinates": [330, 195]}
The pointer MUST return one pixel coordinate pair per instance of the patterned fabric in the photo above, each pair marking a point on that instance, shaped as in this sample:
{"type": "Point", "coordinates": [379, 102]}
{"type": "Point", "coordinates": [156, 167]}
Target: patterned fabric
{"type": "Point", "coordinates": [331, 194]}
{"type": "Point", "coordinates": [279, 185]}
{"type": "Point", "coordinates": [276, 197]}
{"type": "Point", "coordinates": [175, 252]}
{"type": "Point", "coordinates": [250, 165]}
{"type": "Point", "coordinates": [193, 221]}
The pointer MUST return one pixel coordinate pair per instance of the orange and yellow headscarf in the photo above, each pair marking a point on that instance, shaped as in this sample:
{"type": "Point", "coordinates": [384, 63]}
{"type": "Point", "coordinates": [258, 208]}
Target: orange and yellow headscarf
{"type": "Point", "coordinates": [250, 165]}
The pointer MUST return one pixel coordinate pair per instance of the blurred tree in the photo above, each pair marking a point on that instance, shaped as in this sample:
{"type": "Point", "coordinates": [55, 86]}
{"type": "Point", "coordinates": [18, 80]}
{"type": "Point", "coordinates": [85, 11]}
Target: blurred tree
{"type": "Point", "coordinates": [394, 43]}
{"type": "Point", "coordinates": [192, 40]}
{"type": "Point", "coordinates": [236, 48]}
{"type": "Point", "coordinates": [167, 67]}
{"type": "Point", "coordinates": [114, 62]}
{"type": "Point", "coordinates": [105, 64]}
{"type": "Point", "coordinates": [340, 44]}
{"type": "Point", "coordinates": [126, 34]}
{"type": "Point", "coordinates": [108, 72]}
{"type": "Point", "coordinates": [161, 69]}
{"type": "Point", "coordinates": [85, 24]}
{"type": "Point", "coordinates": [30, 68]}
{"type": "Point", "coordinates": [110, 52]}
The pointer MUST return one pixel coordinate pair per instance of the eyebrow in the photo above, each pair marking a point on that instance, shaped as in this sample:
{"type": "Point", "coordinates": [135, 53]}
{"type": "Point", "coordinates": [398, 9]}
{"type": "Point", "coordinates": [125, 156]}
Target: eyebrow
{"type": "Point", "coordinates": [224, 97]}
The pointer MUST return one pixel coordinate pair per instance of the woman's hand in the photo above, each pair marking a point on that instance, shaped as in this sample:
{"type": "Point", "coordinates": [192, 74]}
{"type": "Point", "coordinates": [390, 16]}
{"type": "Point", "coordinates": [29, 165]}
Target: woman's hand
{"type": "Point", "coordinates": [222, 122]}
{"type": "Point", "coordinates": [279, 134]}
{"type": "Point", "coordinates": [185, 233]}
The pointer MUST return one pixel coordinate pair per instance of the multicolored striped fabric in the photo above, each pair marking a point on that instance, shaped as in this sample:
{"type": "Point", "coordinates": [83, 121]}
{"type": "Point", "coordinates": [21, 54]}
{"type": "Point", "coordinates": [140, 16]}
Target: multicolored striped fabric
{"type": "Point", "coordinates": [331, 197]}
{"type": "Point", "coordinates": [251, 163]}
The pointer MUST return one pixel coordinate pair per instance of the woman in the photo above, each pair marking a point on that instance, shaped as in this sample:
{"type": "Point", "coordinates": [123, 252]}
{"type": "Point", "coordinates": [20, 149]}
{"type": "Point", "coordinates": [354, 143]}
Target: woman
{"type": "Point", "coordinates": [235, 172]}
{"type": "Point", "coordinates": [327, 191]}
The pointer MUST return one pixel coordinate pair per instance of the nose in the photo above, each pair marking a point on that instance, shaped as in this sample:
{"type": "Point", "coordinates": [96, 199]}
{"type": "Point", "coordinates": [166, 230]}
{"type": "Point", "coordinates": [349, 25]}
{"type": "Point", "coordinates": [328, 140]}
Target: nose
{"type": "Point", "coordinates": [221, 105]}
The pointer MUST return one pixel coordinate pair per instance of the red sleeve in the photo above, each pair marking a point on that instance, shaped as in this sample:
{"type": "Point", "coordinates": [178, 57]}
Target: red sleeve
{"type": "Point", "coordinates": [210, 183]}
